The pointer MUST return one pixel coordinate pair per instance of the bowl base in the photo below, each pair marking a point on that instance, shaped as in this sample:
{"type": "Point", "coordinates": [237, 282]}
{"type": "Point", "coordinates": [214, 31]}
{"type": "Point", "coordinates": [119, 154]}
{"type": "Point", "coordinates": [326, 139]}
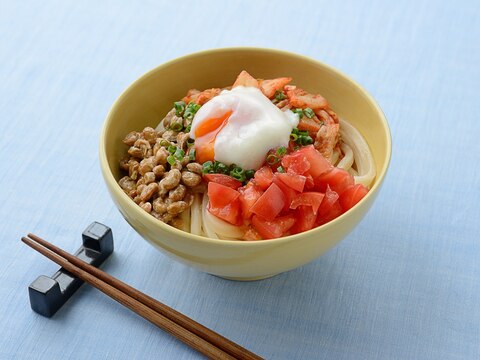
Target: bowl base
{"type": "Point", "coordinates": [254, 278]}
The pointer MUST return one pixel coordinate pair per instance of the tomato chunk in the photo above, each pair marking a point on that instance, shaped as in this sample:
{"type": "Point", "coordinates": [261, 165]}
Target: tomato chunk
{"type": "Point", "coordinates": [296, 182]}
{"type": "Point", "coordinates": [221, 195]}
{"type": "Point", "coordinates": [304, 219]}
{"type": "Point", "coordinates": [318, 164]}
{"type": "Point", "coordinates": [248, 197]}
{"type": "Point", "coordinates": [296, 162]}
{"type": "Point", "coordinates": [287, 191]}
{"type": "Point", "coordinates": [312, 199]}
{"type": "Point", "coordinates": [223, 180]}
{"type": "Point", "coordinates": [275, 228]}
{"type": "Point", "coordinates": [338, 180]}
{"type": "Point", "coordinates": [270, 204]}
{"type": "Point", "coordinates": [230, 212]}
{"type": "Point", "coordinates": [251, 234]}
{"type": "Point", "coordinates": [352, 195]}
{"type": "Point", "coordinates": [334, 212]}
{"type": "Point", "coordinates": [329, 200]}
{"type": "Point", "coordinates": [263, 177]}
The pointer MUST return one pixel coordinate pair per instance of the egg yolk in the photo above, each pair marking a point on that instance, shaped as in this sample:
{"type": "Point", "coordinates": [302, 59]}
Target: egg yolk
{"type": "Point", "coordinates": [206, 134]}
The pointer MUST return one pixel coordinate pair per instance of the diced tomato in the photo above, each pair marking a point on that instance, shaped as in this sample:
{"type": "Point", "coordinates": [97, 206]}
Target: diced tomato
{"type": "Point", "coordinates": [251, 234]}
{"type": "Point", "coordinates": [275, 228]}
{"type": "Point", "coordinates": [352, 195]}
{"type": "Point", "coordinates": [296, 162]}
{"type": "Point", "coordinates": [304, 219]}
{"type": "Point", "coordinates": [309, 183]}
{"type": "Point", "coordinates": [296, 182]}
{"type": "Point", "coordinates": [334, 212]}
{"type": "Point", "coordinates": [263, 177]}
{"type": "Point", "coordinates": [223, 180]}
{"type": "Point", "coordinates": [338, 180]}
{"type": "Point", "coordinates": [221, 195]}
{"type": "Point", "coordinates": [318, 164]}
{"type": "Point", "coordinates": [270, 204]}
{"type": "Point", "coordinates": [248, 197]}
{"type": "Point", "coordinates": [230, 212]}
{"type": "Point", "coordinates": [312, 199]}
{"type": "Point", "coordinates": [287, 191]}
{"type": "Point", "coordinates": [330, 198]}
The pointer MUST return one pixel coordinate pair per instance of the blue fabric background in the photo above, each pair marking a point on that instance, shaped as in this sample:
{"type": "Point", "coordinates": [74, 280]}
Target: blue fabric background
{"type": "Point", "coordinates": [405, 284]}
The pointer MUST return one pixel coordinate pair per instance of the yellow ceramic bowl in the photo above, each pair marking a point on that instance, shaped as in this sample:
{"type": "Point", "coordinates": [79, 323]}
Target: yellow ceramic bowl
{"type": "Point", "coordinates": [147, 100]}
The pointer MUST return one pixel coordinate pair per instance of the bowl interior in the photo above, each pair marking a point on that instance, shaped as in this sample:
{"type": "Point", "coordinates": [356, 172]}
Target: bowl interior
{"type": "Point", "coordinates": [147, 100]}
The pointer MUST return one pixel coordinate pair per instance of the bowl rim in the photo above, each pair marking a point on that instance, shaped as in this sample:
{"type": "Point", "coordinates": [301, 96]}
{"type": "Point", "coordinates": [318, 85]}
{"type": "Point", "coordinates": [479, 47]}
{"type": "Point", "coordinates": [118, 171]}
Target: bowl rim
{"type": "Point", "coordinates": [140, 213]}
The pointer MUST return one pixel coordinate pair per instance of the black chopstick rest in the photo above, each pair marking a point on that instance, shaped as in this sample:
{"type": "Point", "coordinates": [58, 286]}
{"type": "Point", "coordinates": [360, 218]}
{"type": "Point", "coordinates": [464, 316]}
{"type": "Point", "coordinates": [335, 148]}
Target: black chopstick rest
{"type": "Point", "coordinates": [48, 294]}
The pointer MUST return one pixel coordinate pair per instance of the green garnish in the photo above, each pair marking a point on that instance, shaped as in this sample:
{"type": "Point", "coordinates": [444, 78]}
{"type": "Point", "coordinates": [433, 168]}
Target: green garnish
{"type": "Point", "coordinates": [190, 142]}
{"type": "Point", "coordinates": [281, 151]}
{"type": "Point", "coordinates": [279, 95]}
{"type": "Point", "coordinates": [220, 167]}
{"type": "Point", "coordinates": [179, 154]}
{"type": "Point", "coordinates": [176, 126]}
{"type": "Point", "coordinates": [191, 155]}
{"type": "Point", "coordinates": [190, 111]}
{"type": "Point", "coordinates": [179, 107]}
{"type": "Point", "coordinates": [171, 149]}
{"type": "Point", "coordinates": [164, 143]}
{"type": "Point", "coordinates": [207, 167]}
{"type": "Point", "coordinates": [249, 174]}
{"type": "Point", "coordinates": [272, 159]}
{"type": "Point", "coordinates": [308, 113]}
{"type": "Point", "coordinates": [171, 160]}
{"type": "Point", "coordinates": [301, 138]}
{"type": "Point", "coordinates": [238, 173]}
{"type": "Point", "coordinates": [280, 169]}
{"type": "Point", "coordinates": [299, 112]}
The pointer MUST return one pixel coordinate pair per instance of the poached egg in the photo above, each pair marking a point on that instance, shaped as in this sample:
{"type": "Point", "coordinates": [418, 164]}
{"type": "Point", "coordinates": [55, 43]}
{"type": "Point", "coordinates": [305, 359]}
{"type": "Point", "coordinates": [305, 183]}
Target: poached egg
{"type": "Point", "coordinates": [240, 126]}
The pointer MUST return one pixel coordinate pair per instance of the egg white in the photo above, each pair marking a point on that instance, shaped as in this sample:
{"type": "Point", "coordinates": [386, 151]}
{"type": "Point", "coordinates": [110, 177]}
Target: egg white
{"type": "Point", "coordinates": [255, 126]}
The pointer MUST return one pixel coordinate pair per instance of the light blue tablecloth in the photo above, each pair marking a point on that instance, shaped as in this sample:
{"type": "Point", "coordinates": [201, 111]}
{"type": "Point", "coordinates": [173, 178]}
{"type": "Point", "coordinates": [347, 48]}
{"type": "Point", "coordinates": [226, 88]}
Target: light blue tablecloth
{"type": "Point", "coordinates": [405, 284]}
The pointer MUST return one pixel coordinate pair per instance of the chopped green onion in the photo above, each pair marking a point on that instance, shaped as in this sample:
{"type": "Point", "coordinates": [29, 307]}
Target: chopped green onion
{"type": "Point", "coordinates": [190, 142]}
{"type": "Point", "coordinates": [308, 113]}
{"type": "Point", "coordinates": [249, 174]}
{"type": "Point", "coordinates": [188, 128]}
{"type": "Point", "coordinates": [308, 140]}
{"type": "Point", "coordinates": [293, 137]}
{"type": "Point", "coordinates": [279, 95]}
{"type": "Point", "coordinates": [171, 159]}
{"type": "Point", "coordinates": [207, 167]}
{"type": "Point", "coordinates": [238, 173]}
{"type": "Point", "coordinates": [299, 112]}
{"type": "Point", "coordinates": [164, 143]}
{"type": "Point", "coordinates": [172, 149]}
{"type": "Point", "coordinates": [191, 155]}
{"type": "Point", "coordinates": [190, 110]}
{"type": "Point", "coordinates": [176, 126]}
{"type": "Point", "coordinates": [239, 177]}
{"type": "Point", "coordinates": [179, 107]}
{"type": "Point", "coordinates": [280, 169]}
{"type": "Point", "coordinates": [281, 151]}
{"type": "Point", "coordinates": [272, 159]}
{"type": "Point", "coordinates": [179, 154]}
{"type": "Point", "coordinates": [221, 168]}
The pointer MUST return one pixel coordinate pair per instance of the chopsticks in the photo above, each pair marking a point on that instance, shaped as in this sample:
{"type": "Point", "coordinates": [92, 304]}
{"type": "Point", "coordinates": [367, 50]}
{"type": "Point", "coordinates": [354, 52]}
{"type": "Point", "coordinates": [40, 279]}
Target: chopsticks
{"type": "Point", "coordinates": [197, 336]}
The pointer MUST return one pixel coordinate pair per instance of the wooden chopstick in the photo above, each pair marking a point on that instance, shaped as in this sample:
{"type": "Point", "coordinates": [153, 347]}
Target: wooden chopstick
{"type": "Point", "coordinates": [197, 336]}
